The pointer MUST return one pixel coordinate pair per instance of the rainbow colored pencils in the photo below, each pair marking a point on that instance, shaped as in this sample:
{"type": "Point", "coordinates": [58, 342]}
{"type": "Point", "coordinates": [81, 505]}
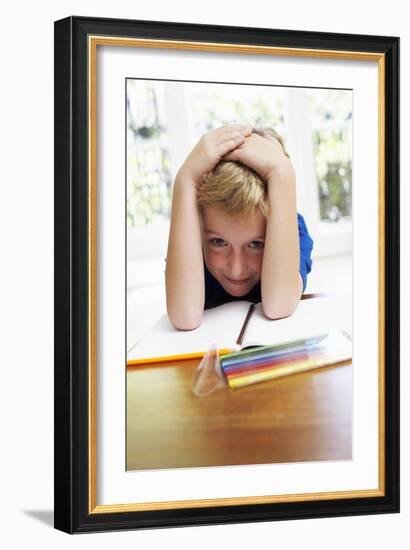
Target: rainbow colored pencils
{"type": "Point", "coordinates": [268, 362]}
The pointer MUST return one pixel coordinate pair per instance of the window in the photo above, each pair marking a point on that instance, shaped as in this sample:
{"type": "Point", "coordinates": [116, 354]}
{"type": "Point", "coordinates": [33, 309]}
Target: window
{"type": "Point", "coordinates": [149, 180]}
{"type": "Point", "coordinates": [331, 115]}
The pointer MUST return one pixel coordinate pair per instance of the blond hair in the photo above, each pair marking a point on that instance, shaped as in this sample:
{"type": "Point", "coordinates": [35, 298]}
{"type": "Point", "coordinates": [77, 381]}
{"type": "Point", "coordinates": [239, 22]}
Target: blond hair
{"type": "Point", "coordinates": [235, 188]}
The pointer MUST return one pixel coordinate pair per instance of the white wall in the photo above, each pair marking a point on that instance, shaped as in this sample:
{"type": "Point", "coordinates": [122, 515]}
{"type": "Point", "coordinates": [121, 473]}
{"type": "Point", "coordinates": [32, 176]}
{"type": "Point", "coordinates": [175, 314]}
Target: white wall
{"type": "Point", "coordinates": [26, 219]}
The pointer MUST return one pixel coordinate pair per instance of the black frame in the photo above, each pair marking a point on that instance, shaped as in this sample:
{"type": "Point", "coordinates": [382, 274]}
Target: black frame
{"type": "Point", "coordinates": [71, 275]}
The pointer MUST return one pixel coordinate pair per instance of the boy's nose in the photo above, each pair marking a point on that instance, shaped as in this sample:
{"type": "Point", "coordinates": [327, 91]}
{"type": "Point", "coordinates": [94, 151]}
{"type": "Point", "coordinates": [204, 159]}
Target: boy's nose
{"type": "Point", "coordinates": [237, 265]}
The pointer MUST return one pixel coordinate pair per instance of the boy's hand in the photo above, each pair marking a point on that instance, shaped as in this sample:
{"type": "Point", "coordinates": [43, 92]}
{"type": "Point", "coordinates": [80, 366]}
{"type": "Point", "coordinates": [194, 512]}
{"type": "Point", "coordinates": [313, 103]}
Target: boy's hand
{"type": "Point", "coordinates": [262, 154]}
{"type": "Point", "coordinates": [211, 148]}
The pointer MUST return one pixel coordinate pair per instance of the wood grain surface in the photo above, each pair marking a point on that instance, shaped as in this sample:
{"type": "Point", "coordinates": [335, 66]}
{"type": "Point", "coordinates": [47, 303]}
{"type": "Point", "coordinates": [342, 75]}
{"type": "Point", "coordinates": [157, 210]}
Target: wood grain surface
{"type": "Point", "coordinates": [304, 417]}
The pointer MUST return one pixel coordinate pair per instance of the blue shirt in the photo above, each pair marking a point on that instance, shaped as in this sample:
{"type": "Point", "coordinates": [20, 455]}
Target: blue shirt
{"type": "Point", "coordinates": [215, 294]}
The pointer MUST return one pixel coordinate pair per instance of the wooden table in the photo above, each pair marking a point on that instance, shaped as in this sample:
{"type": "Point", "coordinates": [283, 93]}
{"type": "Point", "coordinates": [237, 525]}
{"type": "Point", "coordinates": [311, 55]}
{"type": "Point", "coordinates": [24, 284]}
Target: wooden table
{"type": "Point", "coordinates": [304, 417]}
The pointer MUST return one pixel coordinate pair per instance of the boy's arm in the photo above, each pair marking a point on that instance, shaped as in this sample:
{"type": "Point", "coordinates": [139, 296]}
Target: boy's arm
{"type": "Point", "coordinates": [184, 275]}
{"type": "Point", "coordinates": [281, 282]}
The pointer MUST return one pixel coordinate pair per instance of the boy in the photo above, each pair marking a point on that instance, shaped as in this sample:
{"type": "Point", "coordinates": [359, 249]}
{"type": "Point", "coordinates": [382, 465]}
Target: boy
{"type": "Point", "coordinates": [235, 233]}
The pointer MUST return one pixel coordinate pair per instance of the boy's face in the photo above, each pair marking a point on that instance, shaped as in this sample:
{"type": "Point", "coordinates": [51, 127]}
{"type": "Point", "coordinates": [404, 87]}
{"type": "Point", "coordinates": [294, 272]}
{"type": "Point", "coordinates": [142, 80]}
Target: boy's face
{"type": "Point", "coordinates": [233, 248]}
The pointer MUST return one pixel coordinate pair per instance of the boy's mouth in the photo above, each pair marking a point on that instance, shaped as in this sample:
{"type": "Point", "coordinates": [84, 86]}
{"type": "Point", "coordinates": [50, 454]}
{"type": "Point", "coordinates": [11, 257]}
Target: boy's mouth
{"type": "Point", "coordinates": [236, 281]}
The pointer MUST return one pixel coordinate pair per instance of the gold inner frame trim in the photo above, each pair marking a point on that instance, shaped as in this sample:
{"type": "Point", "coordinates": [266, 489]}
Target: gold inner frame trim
{"type": "Point", "coordinates": [381, 271]}
{"type": "Point", "coordinates": [93, 42]}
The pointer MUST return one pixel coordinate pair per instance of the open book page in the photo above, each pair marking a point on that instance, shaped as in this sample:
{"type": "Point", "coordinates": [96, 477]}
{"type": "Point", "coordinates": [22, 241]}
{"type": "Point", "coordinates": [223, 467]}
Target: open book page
{"type": "Point", "coordinates": [220, 325]}
{"type": "Point", "coordinates": [312, 317]}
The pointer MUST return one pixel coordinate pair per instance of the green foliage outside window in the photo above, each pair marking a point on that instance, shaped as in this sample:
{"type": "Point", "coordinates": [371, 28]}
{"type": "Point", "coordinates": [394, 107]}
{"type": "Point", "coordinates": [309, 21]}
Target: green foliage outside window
{"type": "Point", "coordinates": [332, 138]}
{"type": "Point", "coordinates": [149, 180]}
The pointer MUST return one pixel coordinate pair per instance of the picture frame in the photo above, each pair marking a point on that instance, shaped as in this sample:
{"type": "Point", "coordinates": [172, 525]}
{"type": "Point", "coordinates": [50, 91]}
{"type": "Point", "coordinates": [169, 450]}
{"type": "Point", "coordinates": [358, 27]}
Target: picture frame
{"type": "Point", "coordinates": [76, 382]}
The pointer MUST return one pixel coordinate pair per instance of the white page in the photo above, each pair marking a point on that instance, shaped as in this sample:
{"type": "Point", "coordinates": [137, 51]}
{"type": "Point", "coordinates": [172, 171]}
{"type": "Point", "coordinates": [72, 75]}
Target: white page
{"type": "Point", "coordinates": [220, 325]}
{"type": "Point", "coordinates": [312, 316]}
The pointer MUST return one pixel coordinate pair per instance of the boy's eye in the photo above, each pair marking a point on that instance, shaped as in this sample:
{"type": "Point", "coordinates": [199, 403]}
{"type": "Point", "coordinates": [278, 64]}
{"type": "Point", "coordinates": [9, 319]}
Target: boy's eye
{"type": "Point", "coordinates": [256, 245]}
{"type": "Point", "coordinates": [219, 243]}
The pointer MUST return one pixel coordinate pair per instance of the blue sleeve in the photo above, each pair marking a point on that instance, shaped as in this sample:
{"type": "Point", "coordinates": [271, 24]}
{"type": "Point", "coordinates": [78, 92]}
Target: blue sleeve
{"type": "Point", "coordinates": [306, 246]}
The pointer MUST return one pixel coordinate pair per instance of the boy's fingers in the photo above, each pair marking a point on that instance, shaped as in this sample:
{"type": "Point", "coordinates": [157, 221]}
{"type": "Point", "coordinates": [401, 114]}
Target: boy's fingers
{"type": "Point", "coordinates": [234, 128]}
{"type": "Point", "coordinates": [237, 135]}
{"type": "Point", "coordinates": [229, 144]}
{"type": "Point", "coordinates": [234, 135]}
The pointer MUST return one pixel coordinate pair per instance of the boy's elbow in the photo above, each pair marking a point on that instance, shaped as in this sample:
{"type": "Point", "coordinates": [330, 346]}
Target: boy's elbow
{"type": "Point", "coordinates": [185, 323]}
{"type": "Point", "coordinates": [184, 316]}
{"type": "Point", "coordinates": [275, 314]}
{"type": "Point", "coordinates": [283, 304]}
{"type": "Point", "coordinates": [186, 326]}
{"type": "Point", "coordinates": [280, 311]}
